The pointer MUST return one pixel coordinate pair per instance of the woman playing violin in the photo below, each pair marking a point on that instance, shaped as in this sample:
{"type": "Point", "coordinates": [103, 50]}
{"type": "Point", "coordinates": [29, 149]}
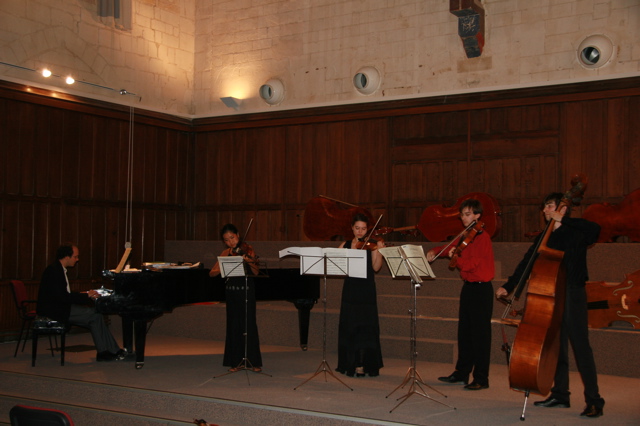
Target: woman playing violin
{"type": "Point", "coordinates": [234, 350]}
{"type": "Point", "coordinates": [359, 350]}
{"type": "Point", "coordinates": [477, 269]}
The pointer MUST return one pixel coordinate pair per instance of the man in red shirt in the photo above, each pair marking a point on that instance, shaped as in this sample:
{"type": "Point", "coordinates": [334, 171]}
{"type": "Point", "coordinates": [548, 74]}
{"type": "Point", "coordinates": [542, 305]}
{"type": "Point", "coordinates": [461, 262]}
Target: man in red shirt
{"type": "Point", "coordinates": [477, 269]}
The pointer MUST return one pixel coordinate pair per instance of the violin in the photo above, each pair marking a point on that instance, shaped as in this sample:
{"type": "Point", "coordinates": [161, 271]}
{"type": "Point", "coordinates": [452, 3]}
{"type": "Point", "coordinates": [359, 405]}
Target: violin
{"type": "Point", "coordinates": [371, 244]}
{"type": "Point", "coordinates": [477, 228]}
{"type": "Point", "coordinates": [243, 249]}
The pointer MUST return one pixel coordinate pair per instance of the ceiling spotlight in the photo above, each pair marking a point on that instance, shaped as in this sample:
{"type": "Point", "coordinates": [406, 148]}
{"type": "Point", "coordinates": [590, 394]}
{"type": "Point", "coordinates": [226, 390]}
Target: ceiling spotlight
{"type": "Point", "coordinates": [70, 80]}
{"type": "Point", "coordinates": [46, 73]}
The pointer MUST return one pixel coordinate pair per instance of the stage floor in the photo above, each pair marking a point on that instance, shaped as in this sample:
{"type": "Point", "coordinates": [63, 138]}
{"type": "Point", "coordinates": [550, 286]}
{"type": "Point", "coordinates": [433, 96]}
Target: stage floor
{"type": "Point", "coordinates": [192, 369]}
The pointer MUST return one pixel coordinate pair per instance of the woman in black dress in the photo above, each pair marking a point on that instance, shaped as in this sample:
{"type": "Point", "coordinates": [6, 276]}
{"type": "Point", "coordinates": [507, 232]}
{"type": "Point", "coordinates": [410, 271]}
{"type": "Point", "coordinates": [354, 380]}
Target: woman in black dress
{"type": "Point", "coordinates": [234, 348]}
{"type": "Point", "coordinates": [359, 350]}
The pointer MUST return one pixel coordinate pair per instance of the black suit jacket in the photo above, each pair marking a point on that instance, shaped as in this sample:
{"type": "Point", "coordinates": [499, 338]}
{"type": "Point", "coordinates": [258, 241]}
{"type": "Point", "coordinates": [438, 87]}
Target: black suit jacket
{"type": "Point", "coordinates": [53, 299]}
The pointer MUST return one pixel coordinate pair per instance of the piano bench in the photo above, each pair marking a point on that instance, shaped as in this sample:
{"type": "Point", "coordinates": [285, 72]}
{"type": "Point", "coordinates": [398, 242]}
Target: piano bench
{"type": "Point", "coordinates": [44, 325]}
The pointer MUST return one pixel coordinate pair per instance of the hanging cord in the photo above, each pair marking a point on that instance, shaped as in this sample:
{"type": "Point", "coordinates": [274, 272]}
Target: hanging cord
{"type": "Point", "coordinates": [128, 234]}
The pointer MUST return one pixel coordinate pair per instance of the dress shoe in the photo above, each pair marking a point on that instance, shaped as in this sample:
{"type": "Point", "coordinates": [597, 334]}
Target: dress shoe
{"type": "Point", "coordinates": [552, 402]}
{"type": "Point", "coordinates": [121, 354]}
{"type": "Point", "coordinates": [105, 356]}
{"type": "Point", "coordinates": [476, 386]}
{"type": "Point", "coordinates": [592, 411]}
{"type": "Point", "coordinates": [453, 378]}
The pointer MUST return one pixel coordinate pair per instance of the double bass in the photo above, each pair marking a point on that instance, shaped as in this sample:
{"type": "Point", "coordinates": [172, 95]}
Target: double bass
{"type": "Point", "coordinates": [536, 347]}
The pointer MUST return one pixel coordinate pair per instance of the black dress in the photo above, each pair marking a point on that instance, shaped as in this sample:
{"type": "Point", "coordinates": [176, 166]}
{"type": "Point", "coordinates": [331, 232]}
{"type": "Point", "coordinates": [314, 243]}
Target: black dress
{"type": "Point", "coordinates": [234, 342]}
{"type": "Point", "coordinates": [359, 329]}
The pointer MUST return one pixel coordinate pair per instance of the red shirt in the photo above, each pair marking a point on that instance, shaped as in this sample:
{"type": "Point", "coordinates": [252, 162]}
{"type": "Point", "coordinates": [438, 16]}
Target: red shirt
{"type": "Point", "coordinates": [476, 260]}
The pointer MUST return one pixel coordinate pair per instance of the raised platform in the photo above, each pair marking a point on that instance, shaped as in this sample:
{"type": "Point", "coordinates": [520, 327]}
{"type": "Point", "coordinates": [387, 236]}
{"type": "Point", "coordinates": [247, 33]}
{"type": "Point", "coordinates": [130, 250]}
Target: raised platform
{"type": "Point", "coordinates": [437, 305]}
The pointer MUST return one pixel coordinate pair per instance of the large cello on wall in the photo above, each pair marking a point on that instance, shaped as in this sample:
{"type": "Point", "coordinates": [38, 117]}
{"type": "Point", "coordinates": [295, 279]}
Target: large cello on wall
{"type": "Point", "coordinates": [617, 220]}
{"type": "Point", "coordinates": [439, 222]}
{"type": "Point", "coordinates": [535, 350]}
{"type": "Point", "coordinates": [325, 220]}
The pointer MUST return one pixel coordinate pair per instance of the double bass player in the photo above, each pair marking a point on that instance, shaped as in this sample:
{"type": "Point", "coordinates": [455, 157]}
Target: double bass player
{"type": "Point", "coordinates": [572, 236]}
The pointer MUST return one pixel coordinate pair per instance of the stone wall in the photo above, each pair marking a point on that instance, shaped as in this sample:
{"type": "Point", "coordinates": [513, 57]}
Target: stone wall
{"type": "Point", "coordinates": [180, 57]}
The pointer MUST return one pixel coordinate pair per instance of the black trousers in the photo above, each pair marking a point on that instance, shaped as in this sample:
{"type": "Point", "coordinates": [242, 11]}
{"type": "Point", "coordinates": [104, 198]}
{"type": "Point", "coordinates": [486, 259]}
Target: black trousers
{"type": "Point", "coordinates": [474, 331]}
{"type": "Point", "coordinates": [575, 330]}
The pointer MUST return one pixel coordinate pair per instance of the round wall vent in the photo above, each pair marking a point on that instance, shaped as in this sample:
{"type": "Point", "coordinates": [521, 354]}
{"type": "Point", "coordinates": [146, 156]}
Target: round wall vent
{"type": "Point", "coordinates": [367, 80]}
{"type": "Point", "coordinates": [596, 51]}
{"type": "Point", "coordinates": [272, 92]}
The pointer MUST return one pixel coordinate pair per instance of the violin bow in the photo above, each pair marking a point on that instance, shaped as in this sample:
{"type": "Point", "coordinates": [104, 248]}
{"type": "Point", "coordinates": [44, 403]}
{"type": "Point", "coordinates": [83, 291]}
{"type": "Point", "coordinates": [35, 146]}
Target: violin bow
{"type": "Point", "coordinates": [337, 201]}
{"type": "Point", "coordinates": [366, 240]}
{"type": "Point", "coordinates": [471, 225]}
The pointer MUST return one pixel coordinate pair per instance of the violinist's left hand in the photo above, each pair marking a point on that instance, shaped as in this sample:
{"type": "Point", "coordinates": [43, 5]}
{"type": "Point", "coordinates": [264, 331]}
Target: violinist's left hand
{"type": "Point", "coordinates": [452, 250]}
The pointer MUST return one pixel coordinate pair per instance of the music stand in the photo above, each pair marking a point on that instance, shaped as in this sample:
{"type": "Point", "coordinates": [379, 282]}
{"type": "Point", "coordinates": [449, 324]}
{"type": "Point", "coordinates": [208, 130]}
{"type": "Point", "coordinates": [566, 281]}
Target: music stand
{"type": "Point", "coordinates": [234, 266]}
{"type": "Point", "coordinates": [328, 261]}
{"type": "Point", "coordinates": [395, 257]}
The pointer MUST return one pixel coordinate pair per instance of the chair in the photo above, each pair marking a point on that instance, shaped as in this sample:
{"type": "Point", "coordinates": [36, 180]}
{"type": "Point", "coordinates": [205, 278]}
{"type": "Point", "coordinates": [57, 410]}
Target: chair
{"type": "Point", "coordinates": [23, 415]}
{"type": "Point", "coordinates": [48, 326]}
{"type": "Point", "coordinates": [26, 315]}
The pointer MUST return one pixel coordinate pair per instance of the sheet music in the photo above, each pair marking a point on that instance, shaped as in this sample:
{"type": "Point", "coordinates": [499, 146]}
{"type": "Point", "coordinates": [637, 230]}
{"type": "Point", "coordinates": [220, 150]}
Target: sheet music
{"type": "Point", "coordinates": [231, 266]}
{"type": "Point", "coordinates": [415, 256]}
{"type": "Point", "coordinates": [339, 261]}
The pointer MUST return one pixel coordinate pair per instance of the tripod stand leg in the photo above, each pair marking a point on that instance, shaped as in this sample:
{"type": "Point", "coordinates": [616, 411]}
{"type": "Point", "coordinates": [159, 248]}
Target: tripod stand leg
{"type": "Point", "coordinates": [324, 366]}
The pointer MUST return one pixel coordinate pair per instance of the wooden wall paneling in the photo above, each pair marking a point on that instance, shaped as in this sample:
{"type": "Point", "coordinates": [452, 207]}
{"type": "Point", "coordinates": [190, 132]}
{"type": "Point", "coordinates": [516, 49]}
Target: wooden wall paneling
{"type": "Point", "coordinates": [6, 147]}
{"type": "Point", "coordinates": [340, 179]}
{"type": "Point", "coordinates": [510, 179]}
{"type": "Point", "coordinates": [24, 243]}
{"type": "Point", "coordinates": [70, 151]}
{"type": "Point", "coordinates": [84, 229]}
{"type": "Point", "coordinates": [617, 124]}
{"type": "Point", "coordinates": [401, 175]}
{"type": "Point", "coordinates": [114, 235]}
{"type": "Point", "coordinates": [319, 164]}
{"type": "Point", "coordinates": [41, 255]}
{"type": "Point", "coordinates": [148, 160]}
{"type": "Point", "coordinates": [632, 147]}
{"type": "Point", "coordinates": [494, 173]}
{"type": "Point", "coordinates": [86, 147]}
{"type": "Point", "coordinates": [160, 147]}
{"type": "Point", "coordinates": [593, 148]}
{"type": "Point", "coordinates": [270, 163]}
{"type": "Point", "coordinates": [9, 239]}
{"type": "Point", "coordinates": [98, 232]}
{"type": "Point", "coordinates": [292, 226]}
{"type": "Point", "coordinates": [476, 181]}
{"type": "Point", "coordinates": [447, 184]}
{"type": "Point", "coordinates": [51, 132]}
{"type": "Point", "coordinates": [572, 137]}
{"type": "Point", "coordinates": [295, 176]}
{"type": "Point", "coordinates": [26, 152]}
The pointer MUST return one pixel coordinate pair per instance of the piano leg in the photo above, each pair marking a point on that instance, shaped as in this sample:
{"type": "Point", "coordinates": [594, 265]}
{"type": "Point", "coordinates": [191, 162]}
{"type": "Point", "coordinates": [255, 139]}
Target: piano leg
{"type": "Point", "coordinates": [127, 333]}
{"type": "Point", "coordinates": [135, 326]}
{"type": "Point", "coordinates": [304, 315]}
{"type": "Point", "coordinates": [140, 330]}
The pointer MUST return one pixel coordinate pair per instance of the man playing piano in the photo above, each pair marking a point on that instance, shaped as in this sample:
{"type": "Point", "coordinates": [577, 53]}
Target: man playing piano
{"type": "Point", "coordinates": [58, 302]}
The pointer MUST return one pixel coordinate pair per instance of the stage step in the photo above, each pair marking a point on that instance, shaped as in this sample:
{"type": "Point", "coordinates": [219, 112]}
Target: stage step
{"type": "Point", "coordinates": [99, 404]}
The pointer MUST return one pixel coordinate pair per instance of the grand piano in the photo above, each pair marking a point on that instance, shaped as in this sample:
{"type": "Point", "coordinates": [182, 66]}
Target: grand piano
{"type": "Point", "coordinates": [142, 296]}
